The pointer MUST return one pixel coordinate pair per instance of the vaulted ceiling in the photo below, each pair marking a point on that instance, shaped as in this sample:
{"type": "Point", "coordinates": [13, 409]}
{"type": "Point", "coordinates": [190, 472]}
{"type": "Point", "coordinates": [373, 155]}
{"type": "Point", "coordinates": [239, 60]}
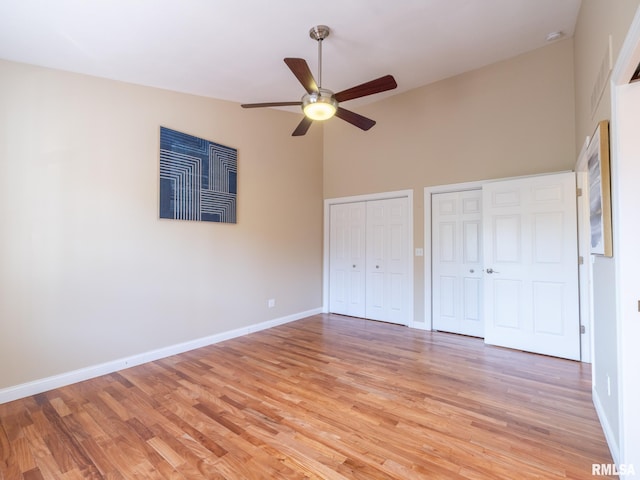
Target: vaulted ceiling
{"type": "Point", "coordinates": [234, 49]}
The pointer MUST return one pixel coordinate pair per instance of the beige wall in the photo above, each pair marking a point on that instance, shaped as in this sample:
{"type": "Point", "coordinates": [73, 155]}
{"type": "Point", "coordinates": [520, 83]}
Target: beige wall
{"type": "Point", "coordinates": [512, 118]}
{"type": "Point", "coordinates": [90, 274]}
{"type": "Point", "coordinates": [596, 21]}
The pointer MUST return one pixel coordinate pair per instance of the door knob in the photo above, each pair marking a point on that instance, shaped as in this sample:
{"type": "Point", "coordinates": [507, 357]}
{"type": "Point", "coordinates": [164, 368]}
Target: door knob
{"type": "Point", "coordinates": [471, 270]}
{"type": "Point", "coordinates": [491, 270]}
{"type": "Point", "coordinates": [354, 266]}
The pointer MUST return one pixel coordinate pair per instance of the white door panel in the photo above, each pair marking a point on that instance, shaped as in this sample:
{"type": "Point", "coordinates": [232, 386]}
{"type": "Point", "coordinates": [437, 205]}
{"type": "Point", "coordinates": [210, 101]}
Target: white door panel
{"type": "Point", "coordinates": [347, 259]}
{"type": "Point", "coordinates": [369, 255]}
{"type": "Point", "coordinates": [530, 255]}
{"type": "Point", "coordinates": [388, 257]}
{"type": "Point", "coordinates": [505, 304]}
{"type": "Point", "coordinates": [471, 233]}
{"type": "Point", "coordinates": [472, 288]}
{"type": "Point", "coordinates": [457, 262]}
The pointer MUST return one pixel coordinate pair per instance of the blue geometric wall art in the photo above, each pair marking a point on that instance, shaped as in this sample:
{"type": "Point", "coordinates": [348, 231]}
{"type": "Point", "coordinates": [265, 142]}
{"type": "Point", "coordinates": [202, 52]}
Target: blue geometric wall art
{"type": "Point", "coordinates": [198, 178]}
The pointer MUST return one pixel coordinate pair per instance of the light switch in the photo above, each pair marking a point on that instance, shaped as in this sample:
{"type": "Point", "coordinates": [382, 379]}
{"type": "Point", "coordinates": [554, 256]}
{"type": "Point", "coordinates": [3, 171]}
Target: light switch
{"type": "Point", "coordinates": [419, 252]}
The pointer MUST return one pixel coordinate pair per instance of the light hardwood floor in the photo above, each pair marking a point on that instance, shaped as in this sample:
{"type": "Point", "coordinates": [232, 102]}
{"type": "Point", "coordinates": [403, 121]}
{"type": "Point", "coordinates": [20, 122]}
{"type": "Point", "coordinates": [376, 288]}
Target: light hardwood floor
{"type": "Point", "coordinates": [325, 397]}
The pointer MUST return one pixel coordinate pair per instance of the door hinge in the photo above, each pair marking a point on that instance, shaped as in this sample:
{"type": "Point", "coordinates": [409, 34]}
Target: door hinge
{"type": "Point", "coordinates": [578, 192]}
{"type": "Point", "coordinates": [583, 330]}
{"type": "Point", "coordinates": [580, 260]}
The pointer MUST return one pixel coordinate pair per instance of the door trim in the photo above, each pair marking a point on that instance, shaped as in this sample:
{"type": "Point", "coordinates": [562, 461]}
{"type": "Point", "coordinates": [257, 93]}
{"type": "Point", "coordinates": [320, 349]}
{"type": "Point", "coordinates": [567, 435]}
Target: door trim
{"type": "Point", "coordinates": [585, 270]}
{"type": "Point", "coordinates": [364, 198]}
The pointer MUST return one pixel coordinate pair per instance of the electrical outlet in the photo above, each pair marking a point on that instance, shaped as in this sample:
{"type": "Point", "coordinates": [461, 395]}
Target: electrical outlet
{"type": "Point", "coordinates": [271, 302]}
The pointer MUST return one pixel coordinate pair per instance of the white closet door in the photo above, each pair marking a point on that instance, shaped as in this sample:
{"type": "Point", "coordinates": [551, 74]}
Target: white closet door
{"type": "Point", "coordinates": [347, 259]}
{"type": "Point", "coordinates": [531, 273]}
{"type": "Point", "coordinates": [388, 257]}
{"type": "Point", "coordinates": [457, 262]}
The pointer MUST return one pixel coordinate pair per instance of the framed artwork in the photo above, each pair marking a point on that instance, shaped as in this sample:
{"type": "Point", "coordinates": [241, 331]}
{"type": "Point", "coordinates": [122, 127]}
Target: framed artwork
{"type": "Point", "coordinates": [600, 191]}
{"type": "Point", "coordinates": [198, 178]}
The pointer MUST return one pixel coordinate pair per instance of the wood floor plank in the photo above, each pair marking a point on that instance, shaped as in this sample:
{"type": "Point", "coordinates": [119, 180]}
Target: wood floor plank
{"type": "Point", "coordinates": [326, 397]}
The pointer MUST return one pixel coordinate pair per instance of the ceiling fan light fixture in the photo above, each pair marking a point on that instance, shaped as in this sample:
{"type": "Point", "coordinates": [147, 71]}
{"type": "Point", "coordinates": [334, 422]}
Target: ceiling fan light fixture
{"type": "Point", "coordinates": [319, 105]}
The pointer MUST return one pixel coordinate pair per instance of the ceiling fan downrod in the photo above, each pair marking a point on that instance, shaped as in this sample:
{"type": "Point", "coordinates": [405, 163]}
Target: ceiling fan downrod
{"type": "Point", "coordinates": [319, 33]}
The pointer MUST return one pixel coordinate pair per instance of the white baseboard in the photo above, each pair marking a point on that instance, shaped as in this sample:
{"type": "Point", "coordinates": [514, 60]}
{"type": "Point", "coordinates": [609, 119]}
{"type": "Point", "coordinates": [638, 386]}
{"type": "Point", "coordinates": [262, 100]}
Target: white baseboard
{"type": "Point", "coordinates": [56, 381]}
{"type": "Point", "coordinates": [612, 441]}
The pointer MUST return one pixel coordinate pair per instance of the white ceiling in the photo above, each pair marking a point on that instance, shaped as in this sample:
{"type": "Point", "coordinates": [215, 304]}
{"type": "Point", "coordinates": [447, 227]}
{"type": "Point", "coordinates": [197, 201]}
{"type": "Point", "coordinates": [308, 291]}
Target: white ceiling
{"type": "Point", "coordinates": [233, 49]}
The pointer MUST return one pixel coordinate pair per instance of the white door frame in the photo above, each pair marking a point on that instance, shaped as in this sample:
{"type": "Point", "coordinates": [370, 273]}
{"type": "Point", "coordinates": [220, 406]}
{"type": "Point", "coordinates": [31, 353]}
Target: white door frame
{"type": "Point", "coordinates": [584, 250]}
{"type": "Point", "coordinates": [363, 198]}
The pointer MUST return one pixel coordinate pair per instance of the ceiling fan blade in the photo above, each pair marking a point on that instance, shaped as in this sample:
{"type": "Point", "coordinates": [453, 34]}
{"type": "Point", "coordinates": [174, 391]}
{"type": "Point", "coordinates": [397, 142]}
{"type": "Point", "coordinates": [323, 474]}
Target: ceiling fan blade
{"type": "Point", "coordinates": [355, 119]}
{"type": "Point", "coordinates": [378, 85]}
{"type": "Point", "coordinates": [270, 104]}
{"type": "Point", "coordinates": [302, 127]}
{"type": "Point", "coordinates": [301, 70]}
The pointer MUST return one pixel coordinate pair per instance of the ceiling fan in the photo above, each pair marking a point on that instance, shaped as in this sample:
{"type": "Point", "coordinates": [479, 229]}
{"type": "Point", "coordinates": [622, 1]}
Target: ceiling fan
{"type": "Point", "coordinates": [320, 103]}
